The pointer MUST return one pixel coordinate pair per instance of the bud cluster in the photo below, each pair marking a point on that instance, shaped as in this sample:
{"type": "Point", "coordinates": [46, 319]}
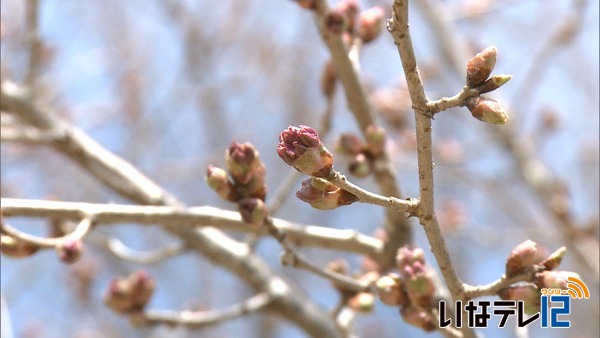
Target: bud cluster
{"type": "Point", "coordinates": [413, 290]}
{"type": "Point", "coordinates": [243, 182]}
{"type": "Point", "coordinates": [363, 301]}
{"type": "Point", "coordinates": [130, 294]}
{"type": "Point", "coordinates": [346, 19]}
{"type": "Point", "coordinates": [529, 257]}
{"type": "Point", "coordinates": [479, 69]}
{"type": "Point", "coordinates": [363, 154]}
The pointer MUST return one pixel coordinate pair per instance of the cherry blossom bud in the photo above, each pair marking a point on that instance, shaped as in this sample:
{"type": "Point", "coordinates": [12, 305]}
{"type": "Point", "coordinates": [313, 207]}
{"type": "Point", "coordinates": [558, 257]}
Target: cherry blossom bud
{"type": "Point", "coordinates": [363, 302]}
{"type": "Point", "coordinates": [408, 255]}
{"type": "Point", "coordinates": [328, 80]}
{"type": "Point", "coordinates": [348, 144]}
{"type": "Point", "coordinates": [307, 4]}
{"type": "Point", "coordinates": [69, 250]}
{"type": "Point", "coordinates": [554, 279]}
{"type": "Point", "coordinates": [217, 180]}
{"type": "Point", "coordinates": [241, 159]}
{"type": "Point", "coordinates": [129, 294]}
{"type": "Point", "coordinates": [390, 290]}
{"type": "Point", "coordinates": [360, 166]}
{"type": "Point", "coordinates": [522, 257]}
{"type": "Point", "coordinates": [370, 23]}
{"type": "Point", "coordinates": [528, 293]}
{"type": "Point", "coordinates": [302, 148]}
{"type": "Point", "coordinates": [253, 211]}
{"type": "Point", "coordinates": [487, 110]}
{"type": "Point", "coordinates": [350, 9]}
{"type": "Point", "coordinates": [15, 248]}
{"type": "Point", "coordinates": [480, 66]}
{"type": "Point", "coordinates": [323, 195]}
{"type": "Point", "coordinates": [494, 83]}
{"type": "Point", "coordinates": [336, 21]}
{"type": "Point", "coordinates": [419, 284]}
{"type": "Point", "coordinates": [554, 260]}
{"type": "Point", "coordinates": [412, 315]}
{"type": "Point", "coordinates": [375, 140]}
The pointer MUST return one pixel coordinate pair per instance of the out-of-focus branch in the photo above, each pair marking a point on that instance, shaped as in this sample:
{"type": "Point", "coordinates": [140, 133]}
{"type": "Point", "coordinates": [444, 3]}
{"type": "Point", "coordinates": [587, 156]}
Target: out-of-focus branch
{"type": "Point", "coordinates": [80, 231]}
{"type": "Point", "coordinates": [34, 42]}
{"type": "Point", "coordinates": [399, 230]}
{"type": "Point", "coordinates": [28, 135]}
{"type": "Point", "coordinates": [143, 257]}
{"type": "Point", "coordinates": [126, 180]}
{"type": "Point", "coordinates": [198, 319]}
{"type": "Point", "coordinates": [104, 214]}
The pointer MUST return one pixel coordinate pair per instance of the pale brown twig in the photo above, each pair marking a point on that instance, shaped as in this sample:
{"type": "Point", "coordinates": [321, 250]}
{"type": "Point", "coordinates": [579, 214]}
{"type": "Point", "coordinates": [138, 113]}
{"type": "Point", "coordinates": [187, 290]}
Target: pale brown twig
{"type": "Point", "coordinates": [105, 214]}
{"type": "Point", "coordinates": [197, 319]}
{"type": "Point", "coordinates": [80, 231]}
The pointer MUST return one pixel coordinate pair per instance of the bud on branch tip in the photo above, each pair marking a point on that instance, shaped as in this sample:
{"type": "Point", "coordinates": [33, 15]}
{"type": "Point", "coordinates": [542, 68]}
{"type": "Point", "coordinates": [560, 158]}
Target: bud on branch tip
{"type": "Point", "coordinates": [302, 148]}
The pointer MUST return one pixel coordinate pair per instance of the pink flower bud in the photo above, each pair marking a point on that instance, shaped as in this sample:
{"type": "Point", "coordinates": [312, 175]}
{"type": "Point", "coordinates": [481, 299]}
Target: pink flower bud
{"type": "Point", "coordinates": [480, 66]}
{"type": "Point", "coordinates": [301, 148]}
{"type": "Point", "coordinates": [408, 255]}
{"type": "Point", "coordinates": [336, 21]}
{"type": "Point", "coordinates": [554, 279]}
{"type": "Point", "coordinates": [390, 290]}
{"type": "Point", "coordinates": [69, 251]}
{"type": "Point", "coordinates": [487, 110]}
{"type": "Point", "coordinates": [360, 166]}
{"type": "Point", "coordinates": [348, 144]}
{"type": "Point", "coordinates": [528, 293]}
{"type": "Point", "coordinates": [217, 180]}
{"type": "Point", "coordinates": [370, 23]}
{"type": "Point", "coordinates": [328, 80]}
{"type": "Point", "coordinates": [130, 294]}
{"type": "Point", "coordinates": [253, 211]}
{"type": "Point", "coordinates": [522, 257]}
{"type": "Point", "coordinates": [324, 195]}
{"type": "Point", "coordinates": [241, 160]}
{"type": "Point", "coordinates": [350, 9]}
{"type": "Point", "coordinates": [412, 315]}
{"type": "Point", "coordinates": [15, 248]}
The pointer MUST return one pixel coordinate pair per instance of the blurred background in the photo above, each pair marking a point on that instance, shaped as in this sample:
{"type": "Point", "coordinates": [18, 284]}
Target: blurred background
{"type": "Point", "coordinates": [168, 85]}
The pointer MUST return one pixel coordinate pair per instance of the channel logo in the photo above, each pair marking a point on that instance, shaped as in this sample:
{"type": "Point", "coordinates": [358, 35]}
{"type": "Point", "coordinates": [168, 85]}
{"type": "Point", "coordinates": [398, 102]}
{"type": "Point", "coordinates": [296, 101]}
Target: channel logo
{"type": "Point", "coordinates": [577, 288]}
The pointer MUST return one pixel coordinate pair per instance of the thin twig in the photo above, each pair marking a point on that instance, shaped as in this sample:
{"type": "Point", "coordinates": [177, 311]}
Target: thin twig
{"type": "Point", "coordinates": [105, 214]}
{"type": "Point", "coordinates": [399, 230]}
{"type": "Point", "coordinates": [143, 257]}
{"type": "Point", "coordinates": [197, 319]}
{"type": "Point", "coordinates": [364, 196]}
{"type": "Point", "coordinates": [80, 231]}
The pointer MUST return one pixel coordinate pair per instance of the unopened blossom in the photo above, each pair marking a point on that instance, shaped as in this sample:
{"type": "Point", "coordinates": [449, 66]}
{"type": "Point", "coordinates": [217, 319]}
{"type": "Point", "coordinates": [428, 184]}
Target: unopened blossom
{"type": "Point", "coordinates": [480, 66]}
{"type": "Point", "coordinates": [129, 294]}
{"type": "Point", "coordinates": [324, 195]}
{"type": "Point", "coordinates": [302, 148]}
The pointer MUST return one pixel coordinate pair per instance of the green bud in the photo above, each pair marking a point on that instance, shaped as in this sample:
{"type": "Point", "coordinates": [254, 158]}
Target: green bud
{"type": "Point", "coordinates": [494, 83]}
